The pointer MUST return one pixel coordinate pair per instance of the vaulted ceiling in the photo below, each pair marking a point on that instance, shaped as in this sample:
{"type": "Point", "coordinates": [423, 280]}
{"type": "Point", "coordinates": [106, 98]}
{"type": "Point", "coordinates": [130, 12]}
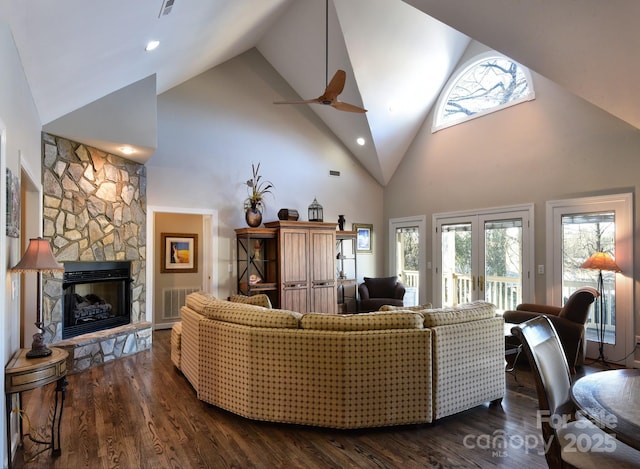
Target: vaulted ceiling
{"type": "Point", "coordinates": [397, 54]}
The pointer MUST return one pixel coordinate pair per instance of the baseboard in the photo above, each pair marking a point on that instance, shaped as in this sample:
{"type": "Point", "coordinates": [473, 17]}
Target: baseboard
{"type": "Point", "coordinates": [164, 325]}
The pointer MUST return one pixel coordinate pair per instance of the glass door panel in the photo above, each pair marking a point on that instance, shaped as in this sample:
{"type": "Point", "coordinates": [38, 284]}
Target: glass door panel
{"type": "Point", "coordinates": [458, 283]}
{"type": "Point", "coordinates": [503, 270]}
{"type": "Point", "coordinates": [407, 262]}
{"type": "Point", "coordinates": [582, 235]}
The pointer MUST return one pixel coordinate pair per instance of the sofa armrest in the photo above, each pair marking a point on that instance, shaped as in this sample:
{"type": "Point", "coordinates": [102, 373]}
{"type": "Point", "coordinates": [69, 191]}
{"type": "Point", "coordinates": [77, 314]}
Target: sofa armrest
{"type": "Point", "coordinates": [536, 308]}
{"type": "Point", "coordinates": [468, 365]}
{"type": "Point", "coordinates": [363, 290]}
{"type": "Point", "coordinates": [399, 291]}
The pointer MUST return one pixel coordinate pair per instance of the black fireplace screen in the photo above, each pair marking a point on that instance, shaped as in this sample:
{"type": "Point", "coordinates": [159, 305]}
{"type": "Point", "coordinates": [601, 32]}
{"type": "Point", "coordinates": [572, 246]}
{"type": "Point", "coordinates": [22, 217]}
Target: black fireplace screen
{"type": "Point", "coordinates": [97, 296]}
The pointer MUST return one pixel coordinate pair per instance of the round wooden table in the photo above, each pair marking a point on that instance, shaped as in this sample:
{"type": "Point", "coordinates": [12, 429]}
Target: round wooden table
{"type": "Point", "coordinates": [612, 400]}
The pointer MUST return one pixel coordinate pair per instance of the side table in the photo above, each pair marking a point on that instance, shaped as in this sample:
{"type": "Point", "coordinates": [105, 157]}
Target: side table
{"type": "Point", "coordinates": [24, 374]}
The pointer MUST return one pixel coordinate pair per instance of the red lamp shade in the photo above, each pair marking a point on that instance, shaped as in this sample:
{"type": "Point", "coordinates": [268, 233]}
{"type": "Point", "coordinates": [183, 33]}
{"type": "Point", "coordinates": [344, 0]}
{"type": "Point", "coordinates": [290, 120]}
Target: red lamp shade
{"type": "Point", "coordinates": [601, 261]}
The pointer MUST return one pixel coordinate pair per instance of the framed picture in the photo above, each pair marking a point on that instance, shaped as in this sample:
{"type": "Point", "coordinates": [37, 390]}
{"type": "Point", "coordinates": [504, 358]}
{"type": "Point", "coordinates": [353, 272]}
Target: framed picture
{"type": "Point", "coordinates": [179, 253]}
{"type": "Point", "coordinates": [13, 205]}
{"type": "Point", "coordinates": [364, 235]}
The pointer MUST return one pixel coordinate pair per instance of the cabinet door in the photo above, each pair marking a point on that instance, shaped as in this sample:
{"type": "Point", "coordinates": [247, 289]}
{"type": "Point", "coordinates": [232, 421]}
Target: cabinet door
{"type": "Point", "coordinates": [294, 256]}
{"type": "Point", "coordinates": [323, 256]}
{"type": "Point", "coordinates": [295, 298]}
{"type": "Point", "coordinates": [294, 268]}
{"type": "Point", "coordinates": [324, 299]}
{"type": "Point", "coordinates": [323, 271]}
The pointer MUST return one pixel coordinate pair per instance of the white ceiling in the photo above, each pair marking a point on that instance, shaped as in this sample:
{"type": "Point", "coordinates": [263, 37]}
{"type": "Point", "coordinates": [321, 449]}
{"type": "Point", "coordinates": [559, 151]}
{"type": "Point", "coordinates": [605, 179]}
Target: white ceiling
{"type": "Point", "coordinates": [397, 54]}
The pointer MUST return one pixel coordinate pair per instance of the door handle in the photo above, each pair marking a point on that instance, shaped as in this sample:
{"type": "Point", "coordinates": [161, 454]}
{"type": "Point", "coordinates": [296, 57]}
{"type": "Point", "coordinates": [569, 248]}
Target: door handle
{"type": "Point", "coordinates": [481, 283]}
{"type": "Point", "coordinates": [473, 283]}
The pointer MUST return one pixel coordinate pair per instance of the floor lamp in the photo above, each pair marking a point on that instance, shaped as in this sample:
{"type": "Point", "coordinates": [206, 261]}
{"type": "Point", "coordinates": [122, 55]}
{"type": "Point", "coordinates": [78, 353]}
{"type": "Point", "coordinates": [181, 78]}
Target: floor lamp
{"type": "Point", "coordinates": [38, 258]}
{"type": "Point", "coordinates": [601, 261]}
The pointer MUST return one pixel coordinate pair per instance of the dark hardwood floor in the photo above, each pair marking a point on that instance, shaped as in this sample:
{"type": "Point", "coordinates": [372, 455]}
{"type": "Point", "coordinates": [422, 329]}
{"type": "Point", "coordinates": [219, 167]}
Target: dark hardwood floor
{"type": "Point", "coordinates": [140, 412]}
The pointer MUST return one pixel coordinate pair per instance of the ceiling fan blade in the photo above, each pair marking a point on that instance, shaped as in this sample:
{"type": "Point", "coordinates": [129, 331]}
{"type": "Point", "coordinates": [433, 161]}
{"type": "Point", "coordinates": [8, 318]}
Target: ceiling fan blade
{"type": "Point", "coordinates": [302, 101]}
{"type": "Point", "coordinates": [339, 105]}
{"type": "Point", "coordinates": [334, 88]}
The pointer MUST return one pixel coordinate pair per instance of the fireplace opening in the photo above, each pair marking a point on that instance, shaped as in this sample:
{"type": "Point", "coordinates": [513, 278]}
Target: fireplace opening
{"type": "Point", "coordinates": [96, 296]}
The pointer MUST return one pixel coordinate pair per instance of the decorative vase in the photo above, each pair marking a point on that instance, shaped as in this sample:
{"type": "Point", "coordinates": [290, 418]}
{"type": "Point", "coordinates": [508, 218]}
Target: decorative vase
{"type": "Point", "coordinates": [253, 216]}
{"type": "Point", "coordinates": [341, 222]}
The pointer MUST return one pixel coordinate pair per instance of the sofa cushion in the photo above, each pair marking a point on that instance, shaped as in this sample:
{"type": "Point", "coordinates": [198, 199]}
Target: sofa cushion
{"type": "Point", "coordinates": [251, 315]}
{"type": "Point", "coordinates": [381, 287]}
{"type": "Point", "coordinates": [198, 300]}
{"type": "Point", "coordinates": [405, 308]}
{"type": "Point", "coordinates": [257, 300]}
{"type": "Point", "coordinates": [466, 312]}
{"type": "Point", "coordinates": [362, 322]}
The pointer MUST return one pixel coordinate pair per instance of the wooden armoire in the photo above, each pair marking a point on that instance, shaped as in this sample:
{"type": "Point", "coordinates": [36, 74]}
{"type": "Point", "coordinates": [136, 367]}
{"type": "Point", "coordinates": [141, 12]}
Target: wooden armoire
{"type": "Point", "coordinates": [306, 265]}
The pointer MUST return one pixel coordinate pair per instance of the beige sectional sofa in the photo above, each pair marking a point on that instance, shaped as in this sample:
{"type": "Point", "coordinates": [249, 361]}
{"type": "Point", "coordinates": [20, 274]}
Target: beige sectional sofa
{"type": "Point", "coordinates": [340, 371]}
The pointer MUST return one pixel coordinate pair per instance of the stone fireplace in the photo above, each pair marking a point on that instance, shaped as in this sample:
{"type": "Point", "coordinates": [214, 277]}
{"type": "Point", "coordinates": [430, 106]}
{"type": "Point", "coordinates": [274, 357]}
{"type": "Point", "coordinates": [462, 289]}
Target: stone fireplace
{"type": "Point", "coordinates": [94, 212]}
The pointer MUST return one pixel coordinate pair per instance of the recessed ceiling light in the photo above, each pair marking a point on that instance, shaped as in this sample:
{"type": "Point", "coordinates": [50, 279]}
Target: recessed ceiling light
{"type": "Point", "coordinates": [127, 150]}
{"type": "Point", "coordinates": [151, 45]}
{"type": "Point", "coordinates": [360, 141]}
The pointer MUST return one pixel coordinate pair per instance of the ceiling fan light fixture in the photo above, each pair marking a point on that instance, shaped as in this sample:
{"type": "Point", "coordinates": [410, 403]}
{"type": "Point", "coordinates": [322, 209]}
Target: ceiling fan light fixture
{"type": "Point", "coordinates": [152, 45]}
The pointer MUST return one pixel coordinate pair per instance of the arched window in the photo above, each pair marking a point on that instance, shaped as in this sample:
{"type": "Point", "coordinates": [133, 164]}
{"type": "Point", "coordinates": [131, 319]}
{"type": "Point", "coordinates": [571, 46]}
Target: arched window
{"type": "Point", "coordinates": [486, 84]}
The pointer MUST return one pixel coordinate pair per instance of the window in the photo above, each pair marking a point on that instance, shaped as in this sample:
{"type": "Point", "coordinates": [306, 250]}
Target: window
{"type": "Point", "coordinates": [487, 84]}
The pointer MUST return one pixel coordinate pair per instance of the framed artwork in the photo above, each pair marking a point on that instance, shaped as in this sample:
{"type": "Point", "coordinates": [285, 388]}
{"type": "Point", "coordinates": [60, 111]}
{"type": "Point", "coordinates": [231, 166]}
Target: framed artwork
{"type": "Point", "coordinates": [13, 205]}
{"type": "Point", "coordinates": [179, 253]}
{"type": "Point", "coordinates": [364, 235]}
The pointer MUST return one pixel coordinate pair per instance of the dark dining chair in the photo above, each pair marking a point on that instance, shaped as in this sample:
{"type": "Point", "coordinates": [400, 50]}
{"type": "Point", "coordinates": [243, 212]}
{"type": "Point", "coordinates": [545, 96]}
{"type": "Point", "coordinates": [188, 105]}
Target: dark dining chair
{"type": "Point", "coordinates": [569, 442]}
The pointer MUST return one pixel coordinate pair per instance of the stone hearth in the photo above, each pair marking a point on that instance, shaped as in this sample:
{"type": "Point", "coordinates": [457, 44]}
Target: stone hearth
{"type": "Point", "coordinates": [98, 348]}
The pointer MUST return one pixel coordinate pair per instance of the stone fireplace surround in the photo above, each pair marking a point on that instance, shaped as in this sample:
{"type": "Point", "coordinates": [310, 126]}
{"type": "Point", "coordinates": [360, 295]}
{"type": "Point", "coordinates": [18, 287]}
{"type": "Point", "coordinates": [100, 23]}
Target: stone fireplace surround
{"type": "Point", "coordinates": [94, 210]}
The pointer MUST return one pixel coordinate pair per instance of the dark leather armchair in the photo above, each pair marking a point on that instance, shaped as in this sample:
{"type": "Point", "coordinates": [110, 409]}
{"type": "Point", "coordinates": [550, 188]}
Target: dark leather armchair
{"type": "Point", "coordinates": [569, 321]}
{"type": "Point", "coordinates": [378, 291]}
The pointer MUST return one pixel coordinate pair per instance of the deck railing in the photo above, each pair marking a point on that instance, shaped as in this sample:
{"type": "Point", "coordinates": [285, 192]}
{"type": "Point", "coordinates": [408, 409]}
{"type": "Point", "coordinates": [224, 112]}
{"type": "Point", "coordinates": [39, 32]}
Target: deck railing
{"type": "Point", "coordinates": [504, 292]}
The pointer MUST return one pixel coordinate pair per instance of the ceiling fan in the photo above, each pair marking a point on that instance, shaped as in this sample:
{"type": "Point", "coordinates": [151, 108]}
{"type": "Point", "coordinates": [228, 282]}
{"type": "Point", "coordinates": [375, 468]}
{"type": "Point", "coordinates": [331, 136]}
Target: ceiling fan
{"type": "Point", "coordinates": [334, 87]}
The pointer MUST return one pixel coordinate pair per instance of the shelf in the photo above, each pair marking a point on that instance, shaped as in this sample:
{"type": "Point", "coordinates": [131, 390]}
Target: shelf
{"type": "Point", "coordinates": [258, 286]}
{"type": "Point", "coordinates": [347, 281]}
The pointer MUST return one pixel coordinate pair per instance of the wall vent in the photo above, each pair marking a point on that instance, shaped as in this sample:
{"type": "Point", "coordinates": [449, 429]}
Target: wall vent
{"type": "Point", "coordinates": [173, 300]}
{"type": "Point", "coordinates": [333, 172]}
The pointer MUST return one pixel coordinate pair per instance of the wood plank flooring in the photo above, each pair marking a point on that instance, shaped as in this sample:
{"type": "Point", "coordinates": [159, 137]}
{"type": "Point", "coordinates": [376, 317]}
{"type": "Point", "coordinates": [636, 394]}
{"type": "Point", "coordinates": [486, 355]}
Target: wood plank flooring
{"type": "Point", "coordinates": [140, 412]}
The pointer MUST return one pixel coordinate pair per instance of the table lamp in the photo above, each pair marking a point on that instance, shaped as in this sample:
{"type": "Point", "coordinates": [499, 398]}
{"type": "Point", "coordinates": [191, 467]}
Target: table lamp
{"type": "Point", "coordinates": [601, 261]}
{"type": "Point", "coordinates": [38, 258]}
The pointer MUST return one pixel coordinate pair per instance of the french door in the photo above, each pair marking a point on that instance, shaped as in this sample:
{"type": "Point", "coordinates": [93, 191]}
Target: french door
{"type": "Point", "coordinates": [484, 255]}
{"type": "Point", "coordinates": [407, 256]}
{"type": "Point", "coordinates": [576, 228]}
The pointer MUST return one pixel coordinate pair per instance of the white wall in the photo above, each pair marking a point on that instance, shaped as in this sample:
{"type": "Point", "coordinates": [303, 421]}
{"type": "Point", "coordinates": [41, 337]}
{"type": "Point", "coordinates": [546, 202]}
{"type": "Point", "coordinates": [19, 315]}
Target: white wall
{"type": "Point", "coordinates": [210, 130]}
{"type": "Point", "coordinates": [554, 147]}
{"type": "Point", "coordinates": [20, 120]}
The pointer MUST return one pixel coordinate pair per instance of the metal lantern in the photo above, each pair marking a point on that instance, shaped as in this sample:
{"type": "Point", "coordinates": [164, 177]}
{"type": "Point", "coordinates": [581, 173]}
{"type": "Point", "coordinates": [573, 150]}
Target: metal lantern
{"type": "Point", "coordinates": [315, 211]}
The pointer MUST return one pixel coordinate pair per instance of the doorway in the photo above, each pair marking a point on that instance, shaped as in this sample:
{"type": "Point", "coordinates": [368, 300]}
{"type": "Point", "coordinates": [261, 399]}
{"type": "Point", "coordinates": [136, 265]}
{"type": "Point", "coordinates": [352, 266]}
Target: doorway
{"type": "Point", "coordinates": [484, 255]}
{"type": "Point", "coordinates": [166, 291]}
{"type": "Point", "coordinates": [407, 256]}
{"type": "Point", "coordinates": [576, 228]}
